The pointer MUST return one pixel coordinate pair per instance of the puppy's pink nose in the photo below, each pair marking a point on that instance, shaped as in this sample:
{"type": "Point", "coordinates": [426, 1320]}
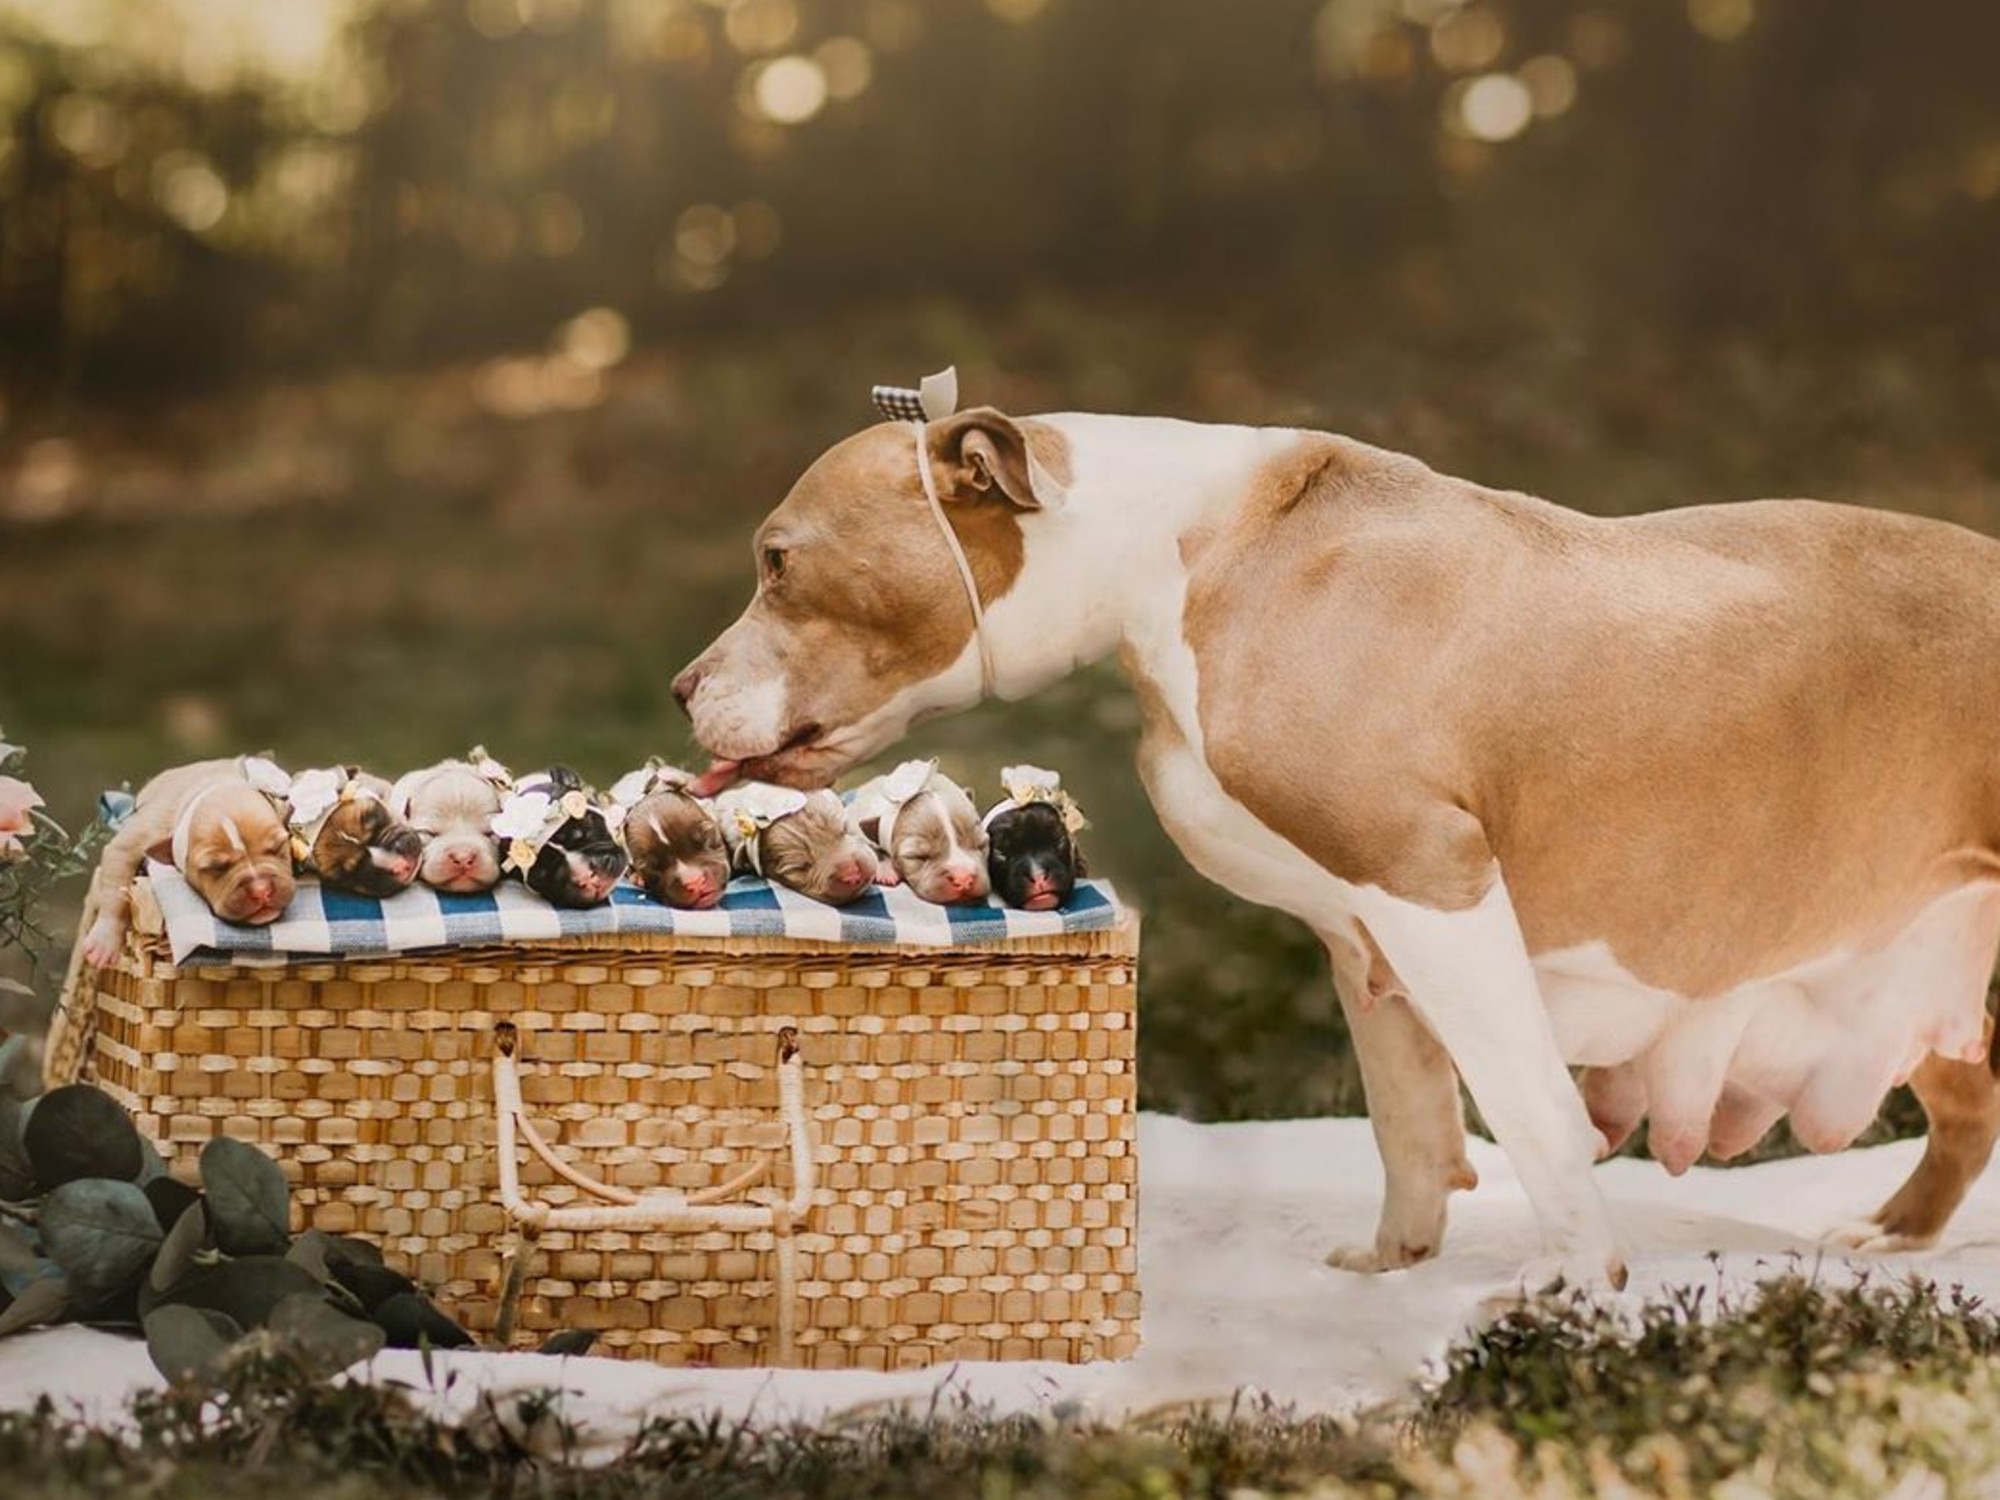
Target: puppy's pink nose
{"type": "Point", "coordinates": [260, 891]}
{"type": "Point", "coordinates": [698, 885]}
{"type": "Point", "coordinates": [402, 867]}
{"type": "Point", "coordinates": [463, 861]}
{"type": "Point", "coordinates": [960, 882]}
{"type": "Point", "coordinates": [850, 874]}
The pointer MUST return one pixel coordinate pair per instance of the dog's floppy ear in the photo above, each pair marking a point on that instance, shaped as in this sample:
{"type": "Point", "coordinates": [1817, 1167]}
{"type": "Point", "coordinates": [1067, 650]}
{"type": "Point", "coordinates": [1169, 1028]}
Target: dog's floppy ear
{"type": "Point", "coordinates": [980, 453]}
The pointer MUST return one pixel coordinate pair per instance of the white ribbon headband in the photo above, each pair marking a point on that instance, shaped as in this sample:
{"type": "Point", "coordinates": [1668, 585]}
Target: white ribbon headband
{"type": "Point", "coordinates": [934, 400]}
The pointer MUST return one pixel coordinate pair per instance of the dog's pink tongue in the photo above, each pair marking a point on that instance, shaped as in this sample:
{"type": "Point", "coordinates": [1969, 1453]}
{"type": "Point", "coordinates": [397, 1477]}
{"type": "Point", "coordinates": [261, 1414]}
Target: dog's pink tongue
{"type": "Point", "coordinates": [719, 777]}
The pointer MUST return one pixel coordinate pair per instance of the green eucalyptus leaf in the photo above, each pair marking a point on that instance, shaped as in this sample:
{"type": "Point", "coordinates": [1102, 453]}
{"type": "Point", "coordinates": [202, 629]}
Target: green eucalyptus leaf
{"type": "Point", "coordinates": [353, 1251]}
{"type": "Point", "coordinates": [249, 1205]}
{"type": "Point", "coordinates": [313, 1250]}
{"type": "Point", "coordinates": [16, 1254]}
{"type": "Point", "coordinates": [152, 1166]}
{"type": "Point", "coordinates": [326, 1339]}
{"type": "Point", "coordinates": [412, 1322]}
{"type": "Point", "coordinates": [17, 1173]}
{"type": "Point", "coordinates": [78, 1131]}
{"type": "Point", "coordinates": [170, 1199]}
{"type": "Point", "coordinates": [177, 1250]}
{"type": "Point", "coordinates": [45, 1300]}
{"type": "Point", "coordinates": [248, 1290]}
{"type": "Point", "coordinates": [371, 1285]}
{"type": "Point", "coordinates": [102, 1234]}
{"type": "Point", "coordinates": [190, 1343]}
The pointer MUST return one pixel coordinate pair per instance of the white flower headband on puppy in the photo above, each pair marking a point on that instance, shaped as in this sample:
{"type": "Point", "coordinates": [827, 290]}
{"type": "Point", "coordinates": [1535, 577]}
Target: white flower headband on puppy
{"type": "Point", "coordinates": [746, 811]}
{"type": "Point", "coordinates": [313, 797]}
{"type": "Point", "coordinates": [634, 787]}
{"type": "Point", "coordinates": [263, 773]}
{"type": "Point", "coordinates": [1025, 785]}
{"type": "Point", "coordinates": [530, 817]}
{"type": "Point", "coordinates": [885, 800]}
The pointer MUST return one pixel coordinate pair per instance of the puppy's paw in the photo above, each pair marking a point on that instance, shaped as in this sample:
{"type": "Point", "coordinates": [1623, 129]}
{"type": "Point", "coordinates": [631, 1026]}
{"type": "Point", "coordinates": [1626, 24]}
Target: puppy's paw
{"type": "Point", "coordinates": [1872, 1237]}
{"type": "Point", "coordinates": [101, 944]}
{"type": "Point", "coordinates": [888, 874]}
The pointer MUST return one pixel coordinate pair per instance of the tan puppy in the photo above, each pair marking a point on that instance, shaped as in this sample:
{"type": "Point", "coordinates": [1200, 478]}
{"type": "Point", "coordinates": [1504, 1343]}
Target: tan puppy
{"type": "Point", "coordinates": [451, 806]}
{"type": "Point", "coordinates": [678, 854]}
{"type": "Point", "coordinates": [803, 841]}
{"type": "Point", "coordinates": [930, 831]}
{"type": "Point", "coordinates": [222, 824]}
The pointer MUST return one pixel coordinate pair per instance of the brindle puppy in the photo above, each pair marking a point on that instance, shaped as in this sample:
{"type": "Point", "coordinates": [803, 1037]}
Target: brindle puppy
{"type": "Point", "coordinates": [344, 832]}
{"type": "Point", "coordinates": [679, 856]}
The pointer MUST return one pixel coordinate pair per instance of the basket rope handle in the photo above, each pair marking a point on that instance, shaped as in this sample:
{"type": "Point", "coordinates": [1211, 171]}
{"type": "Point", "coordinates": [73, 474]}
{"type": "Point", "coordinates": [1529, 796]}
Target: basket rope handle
{"type": "Point", "coordinates": [624, 1209]}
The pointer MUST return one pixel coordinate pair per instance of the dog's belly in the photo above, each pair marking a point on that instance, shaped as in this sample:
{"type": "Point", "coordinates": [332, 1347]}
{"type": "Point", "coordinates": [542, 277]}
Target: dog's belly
{"type": "Point", "coordinates": [1822, 1042]}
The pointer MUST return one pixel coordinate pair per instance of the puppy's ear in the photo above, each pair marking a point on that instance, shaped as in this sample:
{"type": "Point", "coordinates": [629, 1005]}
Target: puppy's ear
{"type": "Point", "coordinates": [983, 453]}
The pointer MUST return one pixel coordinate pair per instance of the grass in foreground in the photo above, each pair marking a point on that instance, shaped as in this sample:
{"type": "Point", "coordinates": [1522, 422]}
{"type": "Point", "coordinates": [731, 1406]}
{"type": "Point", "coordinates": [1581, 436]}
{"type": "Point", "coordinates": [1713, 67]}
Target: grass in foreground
{"type": "Point", "coordinates": [1800, 1390]}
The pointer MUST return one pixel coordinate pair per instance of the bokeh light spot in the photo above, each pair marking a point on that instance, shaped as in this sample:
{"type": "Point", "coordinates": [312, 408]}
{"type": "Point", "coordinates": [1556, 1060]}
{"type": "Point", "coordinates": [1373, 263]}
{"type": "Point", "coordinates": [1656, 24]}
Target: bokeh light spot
{"type": "Point", "coordinates": [848, 64]}
{"type": "Point", "coordinates": [705, 234]}
{"type": "Point", "coordinates": [759, 26]}
{"type": "Point", "coordinates": [790, 90]}
{"type": "Point", "coordinates": [1495, 107]}
{"type": "Point", "coordinates": [1722, 20]}
{"type": "Point", "coordinates": [190, 191]}
{"type": "Point", "coordinates": [1551, 83]}
{"type": "Point", "coordinates": [1467, 40]}
{"type": "Point", "coordinates": [596, 338]}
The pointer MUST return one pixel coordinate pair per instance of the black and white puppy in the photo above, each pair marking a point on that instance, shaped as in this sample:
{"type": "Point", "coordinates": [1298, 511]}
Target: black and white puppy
{"type": "Point", "coordinates": [556, 839]}
{"type": "Point", "coordinates": [1032, 856]}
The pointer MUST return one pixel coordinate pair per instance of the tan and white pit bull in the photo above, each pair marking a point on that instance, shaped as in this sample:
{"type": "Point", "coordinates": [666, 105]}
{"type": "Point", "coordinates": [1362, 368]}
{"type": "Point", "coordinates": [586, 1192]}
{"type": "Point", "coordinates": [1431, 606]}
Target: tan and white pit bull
{"type": "Point", "coordinates": [1706, 801]}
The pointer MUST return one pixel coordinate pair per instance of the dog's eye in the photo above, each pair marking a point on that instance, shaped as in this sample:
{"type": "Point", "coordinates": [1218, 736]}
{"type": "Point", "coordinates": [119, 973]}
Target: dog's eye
{"type": "Point", "coordinates": [774, 563]}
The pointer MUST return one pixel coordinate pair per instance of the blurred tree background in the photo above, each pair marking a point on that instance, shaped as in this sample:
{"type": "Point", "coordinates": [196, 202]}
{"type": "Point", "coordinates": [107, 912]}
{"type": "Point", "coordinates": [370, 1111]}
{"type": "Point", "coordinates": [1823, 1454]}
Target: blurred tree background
{"type": "Point", "coordinates": [377, 376]}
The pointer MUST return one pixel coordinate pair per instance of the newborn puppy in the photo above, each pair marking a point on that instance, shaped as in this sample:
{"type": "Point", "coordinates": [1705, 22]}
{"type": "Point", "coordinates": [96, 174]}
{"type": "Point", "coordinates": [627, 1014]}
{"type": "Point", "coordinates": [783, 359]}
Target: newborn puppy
{"type": "Point", "coordinates": [344, 832]}
{"type": "Point", "coordinates": [803, 841]}
{"type": "Point", "coordinates": [558, 840]}
{"type": "Point", "coordinates": [928, 828]}
{"type": "Point", "coordinates": [1032, 857]}
{"type": "Point", "coordinates": [451, 807]}
{"type": "Point", "coordinates": [679, 856]}
{"type": "Point", "coordinates": [222, 824]}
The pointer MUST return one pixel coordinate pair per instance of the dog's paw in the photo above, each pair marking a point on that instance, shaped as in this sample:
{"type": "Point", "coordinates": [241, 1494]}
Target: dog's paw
{"type": "Point", "coordinates": [101, 944]}
{"type": "Point", "coordinates": [1367, 1260]}
{"type": "Point", "coordinates": [888, 874]}
{"type": "Point", "coordinates": [1872, 1237]}
{"type": "Point", "coordinates": [1586, 1271]}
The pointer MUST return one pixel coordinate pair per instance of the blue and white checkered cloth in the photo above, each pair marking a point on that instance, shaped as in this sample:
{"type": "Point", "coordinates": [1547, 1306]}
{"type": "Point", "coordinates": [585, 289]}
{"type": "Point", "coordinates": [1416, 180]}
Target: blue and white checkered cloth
{"type": "Point", "coordinates": [320, 922]}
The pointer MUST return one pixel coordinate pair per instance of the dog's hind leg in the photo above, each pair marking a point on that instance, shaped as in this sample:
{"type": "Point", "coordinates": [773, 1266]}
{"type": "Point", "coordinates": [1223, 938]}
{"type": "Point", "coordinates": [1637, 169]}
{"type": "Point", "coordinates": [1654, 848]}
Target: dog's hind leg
{"type": "Point", "coordinates": [1414, 1107]}
{"type": "Point", "coordinates": [1962, 1102]}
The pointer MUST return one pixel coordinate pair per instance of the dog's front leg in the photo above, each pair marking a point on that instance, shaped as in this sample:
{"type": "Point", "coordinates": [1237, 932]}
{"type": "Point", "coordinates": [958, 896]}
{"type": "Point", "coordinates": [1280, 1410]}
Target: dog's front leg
{"type": "Point", "coordinates": [1414, 1108]}
{"type": "Point", "coordinates": [1469, 979]}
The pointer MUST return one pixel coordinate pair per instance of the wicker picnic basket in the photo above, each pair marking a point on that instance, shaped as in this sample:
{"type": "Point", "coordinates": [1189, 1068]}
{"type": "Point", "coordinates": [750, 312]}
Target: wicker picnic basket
{"type": "Point", "coordinates": [723, 1151]}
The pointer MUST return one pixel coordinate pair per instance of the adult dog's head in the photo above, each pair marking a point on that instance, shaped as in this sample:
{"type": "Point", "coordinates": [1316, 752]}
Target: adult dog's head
{"type": "Point", "coordinates": [860, 623]}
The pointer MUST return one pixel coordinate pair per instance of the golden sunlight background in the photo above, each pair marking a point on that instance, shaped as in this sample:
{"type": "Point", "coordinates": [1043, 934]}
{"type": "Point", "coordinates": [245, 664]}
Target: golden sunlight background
{"type": "Point", "coordinates": [378, 377]}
